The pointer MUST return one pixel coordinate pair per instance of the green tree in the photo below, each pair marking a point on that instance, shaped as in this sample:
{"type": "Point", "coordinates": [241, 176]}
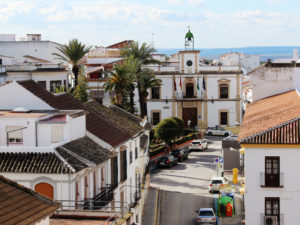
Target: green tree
{"type": "Point", "coordinates": [143, 53]}
{"type": "Point", "coordinates": [72, 53]}
{"type": "Point", "coordinates": [118, 82]}
{"type": "Point", "coordinates": [166, 130]}
{"type": "Point", "coordinates": [180, 126]}
{"type": "Point", "coordinates": [80, 92]}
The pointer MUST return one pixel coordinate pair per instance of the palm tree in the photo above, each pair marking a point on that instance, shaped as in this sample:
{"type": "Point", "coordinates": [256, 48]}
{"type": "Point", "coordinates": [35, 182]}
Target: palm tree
{"type": "Point", "coordinates": [143, 54]}
{"type": "Point", "coordinates": [73, 52]}
{"type": "Point", "coordinates": [148, 81]}
{"type": "Point", "coordinates": [118, 82]}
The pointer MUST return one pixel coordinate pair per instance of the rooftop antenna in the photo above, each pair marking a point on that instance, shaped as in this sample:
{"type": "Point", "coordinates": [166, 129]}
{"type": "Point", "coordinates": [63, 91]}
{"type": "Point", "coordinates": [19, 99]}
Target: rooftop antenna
{"type": "Point", "coordinates": [152, 42]}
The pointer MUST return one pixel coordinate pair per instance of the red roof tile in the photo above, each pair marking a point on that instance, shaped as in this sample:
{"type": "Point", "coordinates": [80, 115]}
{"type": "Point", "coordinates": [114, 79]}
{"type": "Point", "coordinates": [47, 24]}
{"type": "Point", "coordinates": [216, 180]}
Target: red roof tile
{"type": "Point", "coordinates": [269, 112]}
{"type": "Point", "coordinates": [22, 206]}
{"type": "Point", "coordinates": [94, 122]}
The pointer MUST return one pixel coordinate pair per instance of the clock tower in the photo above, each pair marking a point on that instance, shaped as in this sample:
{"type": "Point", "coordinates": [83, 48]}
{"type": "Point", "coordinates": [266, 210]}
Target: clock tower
{"type": "Point", "coordinates": [189, 57]}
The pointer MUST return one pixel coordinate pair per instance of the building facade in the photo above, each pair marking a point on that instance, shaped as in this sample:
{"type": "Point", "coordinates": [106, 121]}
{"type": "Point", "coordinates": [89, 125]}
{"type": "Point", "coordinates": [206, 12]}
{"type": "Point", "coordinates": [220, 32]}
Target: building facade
{"type": "Point", "coordinates": [200, 95]}
{"type": "Point", "coordinates": [75, 152]}
{"type": "Point", "coordinates": [270, 137]}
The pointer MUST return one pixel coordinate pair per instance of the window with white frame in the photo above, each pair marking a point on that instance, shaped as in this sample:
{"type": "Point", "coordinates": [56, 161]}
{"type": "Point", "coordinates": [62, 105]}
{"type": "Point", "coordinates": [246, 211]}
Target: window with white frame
{"type": "Point", "coordinates": [57, 134]}
{"type": "Point", "coordinates": [14, 134]}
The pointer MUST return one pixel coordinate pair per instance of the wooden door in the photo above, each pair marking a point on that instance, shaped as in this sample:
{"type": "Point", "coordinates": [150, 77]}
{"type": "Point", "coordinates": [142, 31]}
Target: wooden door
{"type": "Point", "coordinates": [272, 171]}
{"type": "Point", "coordinates": [272, 207]}
{"type": "Point", "coordinates": [189, 114]}
{"type": "Point", "coordinates": [44, 189]}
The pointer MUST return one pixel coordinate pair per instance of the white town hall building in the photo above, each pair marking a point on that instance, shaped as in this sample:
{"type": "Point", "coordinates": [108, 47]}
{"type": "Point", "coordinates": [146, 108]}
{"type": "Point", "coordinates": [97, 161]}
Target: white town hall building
{"type": "Point", "coordinates": [200, 94]}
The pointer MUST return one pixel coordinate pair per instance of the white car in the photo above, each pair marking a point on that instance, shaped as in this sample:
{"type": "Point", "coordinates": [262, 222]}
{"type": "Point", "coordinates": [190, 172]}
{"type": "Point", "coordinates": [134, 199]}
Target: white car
{"type": "Point", "coordinates": [218, 131]}
{"type": "Point", "coordinates": [206, 216]}
{"type": "Point", "coordinates": [215, 184]}
{"type": "Point", "coordinates": [198, 145]}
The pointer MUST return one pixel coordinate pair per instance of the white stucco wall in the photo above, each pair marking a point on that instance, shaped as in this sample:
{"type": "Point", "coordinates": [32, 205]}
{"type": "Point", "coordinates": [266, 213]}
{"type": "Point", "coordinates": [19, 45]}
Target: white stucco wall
{"type": "Point", "coordinates": [28, 133]}
{"type": "Point", "coordinates": [268, 81]}
{"type": "Point", "coordinates": [76, 127]}
{"type": "Point", "coordinates": [255, 195]}
{"type": "Point", "coordinates": [10, 98]}
{"type": "Point", "coordinates": [39, 49]}
{"type": "Point", "coordinates": [62, 183]}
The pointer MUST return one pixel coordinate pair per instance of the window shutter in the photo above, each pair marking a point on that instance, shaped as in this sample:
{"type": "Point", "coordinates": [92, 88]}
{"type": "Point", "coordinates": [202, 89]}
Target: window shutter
{"type": "Point", "coordinates": [15, 134]}
{"type": "Point", "coordinates": [56, 134]}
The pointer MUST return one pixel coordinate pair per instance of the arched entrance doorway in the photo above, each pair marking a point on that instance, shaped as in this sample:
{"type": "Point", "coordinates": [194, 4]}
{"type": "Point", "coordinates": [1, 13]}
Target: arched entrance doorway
{"type": "Point", "coordinates": [44, 189]}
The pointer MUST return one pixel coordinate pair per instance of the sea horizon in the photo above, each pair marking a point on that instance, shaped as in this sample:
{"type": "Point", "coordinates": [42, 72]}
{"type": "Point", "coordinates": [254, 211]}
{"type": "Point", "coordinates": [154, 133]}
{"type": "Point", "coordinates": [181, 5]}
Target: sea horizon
{"type": "Point", "coordinates": [265, 52]}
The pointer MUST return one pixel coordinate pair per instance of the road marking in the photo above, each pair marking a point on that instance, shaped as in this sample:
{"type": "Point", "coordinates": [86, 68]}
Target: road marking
{"type": "Point", "coordinates": [156, 208]}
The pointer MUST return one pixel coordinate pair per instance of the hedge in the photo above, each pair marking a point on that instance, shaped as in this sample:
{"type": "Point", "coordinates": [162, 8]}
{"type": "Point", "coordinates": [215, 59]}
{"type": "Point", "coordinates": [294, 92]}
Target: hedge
{"type": "Point", "coordinates": [162, 148]}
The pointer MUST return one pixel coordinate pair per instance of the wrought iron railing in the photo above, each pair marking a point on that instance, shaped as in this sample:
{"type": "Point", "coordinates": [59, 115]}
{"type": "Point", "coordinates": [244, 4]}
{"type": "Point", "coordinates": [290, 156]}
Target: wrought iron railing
{"type": "Point", "coordinates": [272, 219]}
{"type": "Point", "coordinates": [273, 182]}
{"type": "Point", "coordinates": [100, 200]}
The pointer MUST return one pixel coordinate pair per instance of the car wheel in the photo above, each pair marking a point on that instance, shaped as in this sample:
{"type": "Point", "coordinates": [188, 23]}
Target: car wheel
{"type": "Point", "coordinates": [226, 134]}
{"type": "Point", "coordinates": [209, 133]}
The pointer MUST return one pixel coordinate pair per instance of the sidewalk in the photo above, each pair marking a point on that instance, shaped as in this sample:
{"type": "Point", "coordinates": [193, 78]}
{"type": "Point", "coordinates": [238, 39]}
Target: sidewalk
{"type": "Point", "coordinates": [238, 198]}
{"type": "Point", "coordinates": [150, 207]}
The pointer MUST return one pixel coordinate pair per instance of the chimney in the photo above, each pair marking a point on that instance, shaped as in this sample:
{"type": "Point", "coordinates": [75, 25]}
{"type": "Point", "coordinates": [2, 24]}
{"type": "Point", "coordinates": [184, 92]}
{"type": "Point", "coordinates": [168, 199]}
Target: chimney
{"type": "Point", "coordinates": [295, 55]}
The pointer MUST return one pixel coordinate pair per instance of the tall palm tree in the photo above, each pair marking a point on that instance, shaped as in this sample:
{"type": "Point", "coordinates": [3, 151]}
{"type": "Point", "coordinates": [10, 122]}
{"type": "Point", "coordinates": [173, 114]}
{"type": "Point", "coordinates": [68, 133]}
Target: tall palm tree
{"type": "Point", "coordinates": [118, 82]}
{"type": "Point", "coordinates": [73, 52]}
{"type": "Point", "coordinates": [143, 54]}
{"type": "Point", "coordinates": [148, 81]}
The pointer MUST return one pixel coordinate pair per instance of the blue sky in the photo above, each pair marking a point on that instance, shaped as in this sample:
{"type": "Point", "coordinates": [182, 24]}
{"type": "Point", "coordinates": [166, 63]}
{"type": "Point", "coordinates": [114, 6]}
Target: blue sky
{"type": "Point", "coordinates": [215, 23]}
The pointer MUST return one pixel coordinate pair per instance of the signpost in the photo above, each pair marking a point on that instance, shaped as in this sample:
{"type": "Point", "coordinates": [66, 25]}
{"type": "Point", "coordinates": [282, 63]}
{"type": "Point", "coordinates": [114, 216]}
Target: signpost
{"type": "Point", "coordinates": [219, 163]}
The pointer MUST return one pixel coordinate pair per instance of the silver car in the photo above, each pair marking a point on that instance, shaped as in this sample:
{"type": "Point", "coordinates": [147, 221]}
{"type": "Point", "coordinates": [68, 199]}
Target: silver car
{"type": "Point", "coordinates": [206, 216]}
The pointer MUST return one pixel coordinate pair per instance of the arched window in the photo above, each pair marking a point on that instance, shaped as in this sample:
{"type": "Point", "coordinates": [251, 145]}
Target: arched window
{"type": "Point", "coordinates": [45, 189]}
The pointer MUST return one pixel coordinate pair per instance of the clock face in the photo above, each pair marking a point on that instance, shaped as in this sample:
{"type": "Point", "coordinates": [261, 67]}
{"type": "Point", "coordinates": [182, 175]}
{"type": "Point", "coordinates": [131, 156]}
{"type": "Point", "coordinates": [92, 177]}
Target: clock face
{"type": "Point", "coordinates": [189, 63]}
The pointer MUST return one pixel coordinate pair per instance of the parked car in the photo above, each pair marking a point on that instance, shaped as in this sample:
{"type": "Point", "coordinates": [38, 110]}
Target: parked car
{"type": "Point", "coordinates": [215, 184]}
{"type": "Point", "coordinates": [199, 144]}
{"type": "Point", "coordinates": [206, 216]}
{"type": "Point", "coordinates": [180, 154]}
{"type": "Point", "coordinates": [218, 131]}
{"type": "Point", "coordinates": [167, 161]}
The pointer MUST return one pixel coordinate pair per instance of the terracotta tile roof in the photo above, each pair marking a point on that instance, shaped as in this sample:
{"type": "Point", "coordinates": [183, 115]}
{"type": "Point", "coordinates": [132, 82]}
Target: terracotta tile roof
{"type": "Point", "coordinates": [29, 162]}
{"type": "Point", "coordinates": [22, 206]}
{"type": "Point", "coordinates": [95, 124]}
{"type": "Point", "coordinates": [124, 120]}
{"type": "Point", "coordinates": [80, 152]}
{"type": "Point", "coordinates": [269, 113]}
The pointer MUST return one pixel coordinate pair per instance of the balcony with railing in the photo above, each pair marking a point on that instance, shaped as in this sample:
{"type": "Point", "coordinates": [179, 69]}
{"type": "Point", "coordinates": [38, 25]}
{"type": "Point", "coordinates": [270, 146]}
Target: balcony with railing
{"type": "Point", "coordinates": [272, 219]}
{"type": "Point", "coordinates": [272, 180]}
{"type": "Point", "coordinates": [105, 196]}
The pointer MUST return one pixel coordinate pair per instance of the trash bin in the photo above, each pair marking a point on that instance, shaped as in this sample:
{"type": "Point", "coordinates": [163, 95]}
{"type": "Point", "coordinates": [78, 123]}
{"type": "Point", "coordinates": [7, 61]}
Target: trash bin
{"type": "Point", "coordinates": [235, 172]}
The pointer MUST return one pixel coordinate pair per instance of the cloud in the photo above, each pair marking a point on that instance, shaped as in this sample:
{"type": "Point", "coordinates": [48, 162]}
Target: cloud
{"type": "Point", "coordinates": [275, 2]}
{"type": "Point", "coordinates": [198, 3]}
{"type": "Point", "coordinates": [10, 9]}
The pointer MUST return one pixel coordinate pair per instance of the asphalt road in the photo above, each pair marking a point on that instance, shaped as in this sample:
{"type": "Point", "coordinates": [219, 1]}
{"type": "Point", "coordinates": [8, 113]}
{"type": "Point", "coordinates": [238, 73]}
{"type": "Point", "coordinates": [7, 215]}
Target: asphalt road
{"type": "Point", "coordinates": [184, 188]}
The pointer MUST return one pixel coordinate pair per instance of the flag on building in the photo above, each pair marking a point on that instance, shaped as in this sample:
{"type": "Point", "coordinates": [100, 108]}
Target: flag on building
{"type": "Point", "coordinates": [203, 84]}
{"type": "Point", "coordinates": [175, 88]}
{"type": "Point", "coordinates": [180, 83]}
{"type": "Point", "coordinates": [198, 85]}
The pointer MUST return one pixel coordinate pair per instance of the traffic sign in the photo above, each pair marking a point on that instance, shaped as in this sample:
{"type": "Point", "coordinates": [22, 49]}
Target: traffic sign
{"type": "Point", "coordinates": [216, 160]}
{"type": "Point", "coordinates": [221, 160]}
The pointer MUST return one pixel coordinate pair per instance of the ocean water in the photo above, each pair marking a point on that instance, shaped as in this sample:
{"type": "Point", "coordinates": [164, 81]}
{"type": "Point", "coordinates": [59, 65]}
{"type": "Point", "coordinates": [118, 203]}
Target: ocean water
{"type": "Point", "coordinates": [270, 52]}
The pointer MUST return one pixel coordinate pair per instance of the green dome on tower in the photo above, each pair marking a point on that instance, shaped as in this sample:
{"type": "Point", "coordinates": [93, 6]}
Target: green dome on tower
{"type": "Point", "coordinates": [189, 35]}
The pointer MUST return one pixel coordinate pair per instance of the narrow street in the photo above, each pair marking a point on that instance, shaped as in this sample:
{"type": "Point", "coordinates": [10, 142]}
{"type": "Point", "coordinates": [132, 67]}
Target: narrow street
{"type": "Point", "coordinates": [184, 188]}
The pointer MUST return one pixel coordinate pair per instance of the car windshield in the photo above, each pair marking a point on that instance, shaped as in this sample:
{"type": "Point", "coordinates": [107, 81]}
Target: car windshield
{"type": "Point", "coordinates": [196, 142]}
{"type": "Point", "coordinates": [206, 213]}
{"type": "Point", "coordinates": [216, 182]}
{"type": "Point", "coordinates": [221, 128]}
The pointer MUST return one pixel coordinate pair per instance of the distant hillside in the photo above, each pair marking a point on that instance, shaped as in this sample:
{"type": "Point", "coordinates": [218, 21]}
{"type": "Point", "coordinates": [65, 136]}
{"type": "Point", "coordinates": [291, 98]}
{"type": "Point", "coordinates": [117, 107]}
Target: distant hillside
{"type": "Point", "coordinates": [265, 53]}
